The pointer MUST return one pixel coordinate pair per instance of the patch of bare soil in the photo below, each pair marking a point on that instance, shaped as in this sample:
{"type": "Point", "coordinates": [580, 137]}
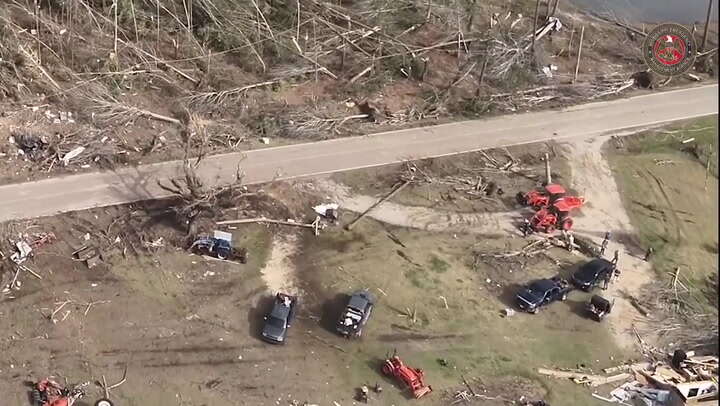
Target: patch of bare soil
{"type": "Point", "coordinates": [279, 270]}
{"type": "Point", "coordinates": [603, 212]}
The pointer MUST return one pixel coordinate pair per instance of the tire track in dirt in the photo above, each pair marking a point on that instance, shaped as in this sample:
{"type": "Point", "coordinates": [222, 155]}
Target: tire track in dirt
{"type": "Point", "coordinates": [422, 218]}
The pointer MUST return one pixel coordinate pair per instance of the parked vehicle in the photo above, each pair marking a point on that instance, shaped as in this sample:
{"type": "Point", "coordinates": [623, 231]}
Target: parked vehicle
{"type": "Point", "coordinates": [598, 307]}
{"type": "Point", "coordinates": [278, 321]}
{"type": "Point", "coordinates": [541, 293]}
{"type": "Point", "coordinates": [593, 273]}
{"type": "Point", "coordinates": [411, 377]}
{"type": "Point", "coordinates": [356, 314]}
{"type": "Point", "coordinates": [539, 198]}
{"type": "Point", "coordinates": [557, 215]}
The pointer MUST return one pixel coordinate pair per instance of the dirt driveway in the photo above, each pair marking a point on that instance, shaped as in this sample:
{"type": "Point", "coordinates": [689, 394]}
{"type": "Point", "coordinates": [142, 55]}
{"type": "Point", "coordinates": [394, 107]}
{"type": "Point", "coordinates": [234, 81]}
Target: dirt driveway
{"type": "Point", "coordinates": [593, 179]}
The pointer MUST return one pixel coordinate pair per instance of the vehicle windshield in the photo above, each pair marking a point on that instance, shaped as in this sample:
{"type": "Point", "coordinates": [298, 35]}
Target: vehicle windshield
{"type": "Point", "coordinates": [275, 322]}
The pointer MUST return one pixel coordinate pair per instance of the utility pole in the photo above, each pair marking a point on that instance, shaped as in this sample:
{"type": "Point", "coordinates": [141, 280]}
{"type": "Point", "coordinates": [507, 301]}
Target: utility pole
{"type": "Point", "coordinates": [577, 65]}
{"type": "Point", "coordinates": [707, 25]}
{"type": "Point", "coordinates": [548, 177]}
{"type": "Point", "coordinates": [537, 8]}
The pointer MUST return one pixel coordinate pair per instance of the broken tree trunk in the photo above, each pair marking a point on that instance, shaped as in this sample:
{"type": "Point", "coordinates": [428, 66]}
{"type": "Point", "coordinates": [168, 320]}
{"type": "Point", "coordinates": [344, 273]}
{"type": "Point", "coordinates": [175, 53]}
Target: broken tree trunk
{"type": "Point", "coordinates": [583, 378]}
{"type": "Point", "coordinates": [266, 220]}
{"type": "Point", "coordinates": [535, 21]}
{"type": "Point", "coordinates": [379, 202]}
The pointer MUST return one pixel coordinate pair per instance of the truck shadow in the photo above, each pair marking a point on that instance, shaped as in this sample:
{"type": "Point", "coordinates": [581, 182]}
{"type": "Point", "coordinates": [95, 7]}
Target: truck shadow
{"type": "Point", "coordinates": [256, 315]}
{"type": "Point", "coordinates": [577, 308]}
{"type": "Point", "coordinates": [508, 294]}
{"type": "Point", "coordinates": [330, 311]}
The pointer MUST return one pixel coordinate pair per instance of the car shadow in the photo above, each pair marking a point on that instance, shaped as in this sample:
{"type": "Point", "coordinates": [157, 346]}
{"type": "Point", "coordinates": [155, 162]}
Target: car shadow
{"type": "Point", "coordinates": [256, 315]}
{"type": "Point", "coordinates": [577, 307]}
{"type": "Point", "coordinates": [508, 295]}
{"type": "Point", "coordinates": [330, 311]}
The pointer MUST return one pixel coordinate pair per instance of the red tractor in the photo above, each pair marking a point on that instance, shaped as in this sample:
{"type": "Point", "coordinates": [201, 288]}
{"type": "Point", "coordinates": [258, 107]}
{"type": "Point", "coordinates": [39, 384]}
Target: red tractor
{"type": "Point", "coordinates": [550, 218]}
{"type": "Point", "coordinates": [49, 393]}
{"type": "Point", "coordinates": [539, 198]}
{"type": "Point", "coordinates": [413, 378]}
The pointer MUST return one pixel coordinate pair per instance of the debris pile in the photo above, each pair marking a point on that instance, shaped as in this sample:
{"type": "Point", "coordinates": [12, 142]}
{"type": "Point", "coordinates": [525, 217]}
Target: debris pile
{"type": "Point", "coordinates": [680, 379]}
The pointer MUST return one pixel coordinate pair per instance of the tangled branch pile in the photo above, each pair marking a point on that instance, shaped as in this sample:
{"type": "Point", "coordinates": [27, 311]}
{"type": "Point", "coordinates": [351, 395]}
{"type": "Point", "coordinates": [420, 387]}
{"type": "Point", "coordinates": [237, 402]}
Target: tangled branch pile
{"type": "Point", "coordinates": [686, 315]}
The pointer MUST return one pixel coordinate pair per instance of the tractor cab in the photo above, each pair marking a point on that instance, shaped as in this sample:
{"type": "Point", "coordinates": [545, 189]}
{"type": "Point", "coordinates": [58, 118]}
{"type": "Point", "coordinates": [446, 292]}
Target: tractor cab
{"type": "Point", "coordinates": [557, 215]}
{"type": "Point", "coordinates": [539, 198]}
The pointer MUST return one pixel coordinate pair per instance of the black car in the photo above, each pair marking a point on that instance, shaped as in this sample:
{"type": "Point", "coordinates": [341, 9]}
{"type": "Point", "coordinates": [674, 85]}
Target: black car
{"type": "Point", "coordinates": [356, 314]}
{"type": "Point", "coordinates": [593, 273]}
{"type": "Point", "coordinates": [277, 322]}
{"type": "Point", "coordinates": [542, 292]}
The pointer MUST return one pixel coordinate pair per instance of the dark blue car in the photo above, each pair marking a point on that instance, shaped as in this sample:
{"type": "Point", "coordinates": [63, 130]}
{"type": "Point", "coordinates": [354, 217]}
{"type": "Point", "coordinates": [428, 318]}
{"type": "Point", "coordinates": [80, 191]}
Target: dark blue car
{"type": "Point", "coordinates": [278, 321]}
{"type": "Point", "coordinates": [542, 292]}
{"type": "Point", "coordinates": [593, 273]}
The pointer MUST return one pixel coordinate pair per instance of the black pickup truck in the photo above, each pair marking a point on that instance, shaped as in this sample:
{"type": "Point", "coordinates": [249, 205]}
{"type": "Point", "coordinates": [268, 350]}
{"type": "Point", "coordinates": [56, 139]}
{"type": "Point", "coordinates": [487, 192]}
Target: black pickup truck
{"type": "Point", "coordinates": [356, 314]}
{"type": "Point", "coordinates": [593, 273]}
{"type": "Point", "coordinates": [277, 322]}
{"type": "Point", "coordinates": [541, 293]}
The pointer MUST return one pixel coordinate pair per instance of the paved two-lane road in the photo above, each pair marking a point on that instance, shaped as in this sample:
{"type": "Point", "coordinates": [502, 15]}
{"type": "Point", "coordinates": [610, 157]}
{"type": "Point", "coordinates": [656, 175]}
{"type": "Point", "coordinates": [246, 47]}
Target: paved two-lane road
{"type": "Point", "coordinates": [78, 192]}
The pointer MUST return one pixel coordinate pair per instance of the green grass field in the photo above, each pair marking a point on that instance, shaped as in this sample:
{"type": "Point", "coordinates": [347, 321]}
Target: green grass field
{"type": "Point", "coordinates": [671, 199]}
{"type": "Point", "coordinates": [470, 334]}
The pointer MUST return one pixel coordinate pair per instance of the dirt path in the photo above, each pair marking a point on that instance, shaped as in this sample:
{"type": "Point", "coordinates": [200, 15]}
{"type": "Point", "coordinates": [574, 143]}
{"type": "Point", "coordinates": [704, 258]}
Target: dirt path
{"type": "Point", "coordinates": [422, 218]}
{"type": "Point", "coordinates": [592, 178]}
{"type": "Point", "coordinates": [279, 271]}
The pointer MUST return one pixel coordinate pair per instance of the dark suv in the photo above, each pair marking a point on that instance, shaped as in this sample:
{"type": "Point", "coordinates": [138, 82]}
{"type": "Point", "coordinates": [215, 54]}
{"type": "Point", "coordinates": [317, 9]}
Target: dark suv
{"type": "Point", "coordinates": [277, 322]}
{"type": "Point", "coordinates": [356, 314]}
{"type": "Point", "coordinates": [541, 293]}
{"type": "Point", "coordinates": [592, 274]}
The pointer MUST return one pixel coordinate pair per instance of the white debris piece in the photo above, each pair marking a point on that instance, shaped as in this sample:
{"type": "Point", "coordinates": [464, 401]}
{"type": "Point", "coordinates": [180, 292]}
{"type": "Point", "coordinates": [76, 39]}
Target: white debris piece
{"type": "Point", "coordinates": [552, 24]}
{"type": "Point", "coordinates": [23, 250]}
{"type": "Point", "coordinates": [322, 209]}
{"type": "Point", "coordinates": [265, 140]}
{"type": "Point", "coordinates": [222, 235]}
{"type": "Point", "coordinates": [548, 70]}
{"type": "Point", "coordinates": [72, 154]}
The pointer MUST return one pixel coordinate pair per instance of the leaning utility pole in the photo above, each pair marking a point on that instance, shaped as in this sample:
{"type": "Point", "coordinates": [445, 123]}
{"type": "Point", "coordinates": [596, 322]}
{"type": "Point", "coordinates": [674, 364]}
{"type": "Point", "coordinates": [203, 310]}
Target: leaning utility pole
{"type": "Point", "coordinates": [577, 65]}
{"type": "Point", "coordinates": [707, 24]}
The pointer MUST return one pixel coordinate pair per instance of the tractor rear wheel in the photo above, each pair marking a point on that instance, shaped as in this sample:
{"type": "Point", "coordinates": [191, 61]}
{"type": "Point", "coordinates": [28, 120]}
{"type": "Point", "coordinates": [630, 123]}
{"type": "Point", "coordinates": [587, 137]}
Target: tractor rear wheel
{"type": "Point", "coordinates": [387, 368]}
{"type": "Point", "coordinates": [520, 196]}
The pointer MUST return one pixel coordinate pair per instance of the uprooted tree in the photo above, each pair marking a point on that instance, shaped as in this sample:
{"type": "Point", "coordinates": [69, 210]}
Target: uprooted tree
{"type": "Point", "coordinates": [196, 200]}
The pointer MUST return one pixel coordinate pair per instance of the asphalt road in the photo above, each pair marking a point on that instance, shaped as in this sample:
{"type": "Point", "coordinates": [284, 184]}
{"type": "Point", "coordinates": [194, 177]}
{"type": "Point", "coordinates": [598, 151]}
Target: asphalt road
{"type": "Point", "coordinates": [83, 191]}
